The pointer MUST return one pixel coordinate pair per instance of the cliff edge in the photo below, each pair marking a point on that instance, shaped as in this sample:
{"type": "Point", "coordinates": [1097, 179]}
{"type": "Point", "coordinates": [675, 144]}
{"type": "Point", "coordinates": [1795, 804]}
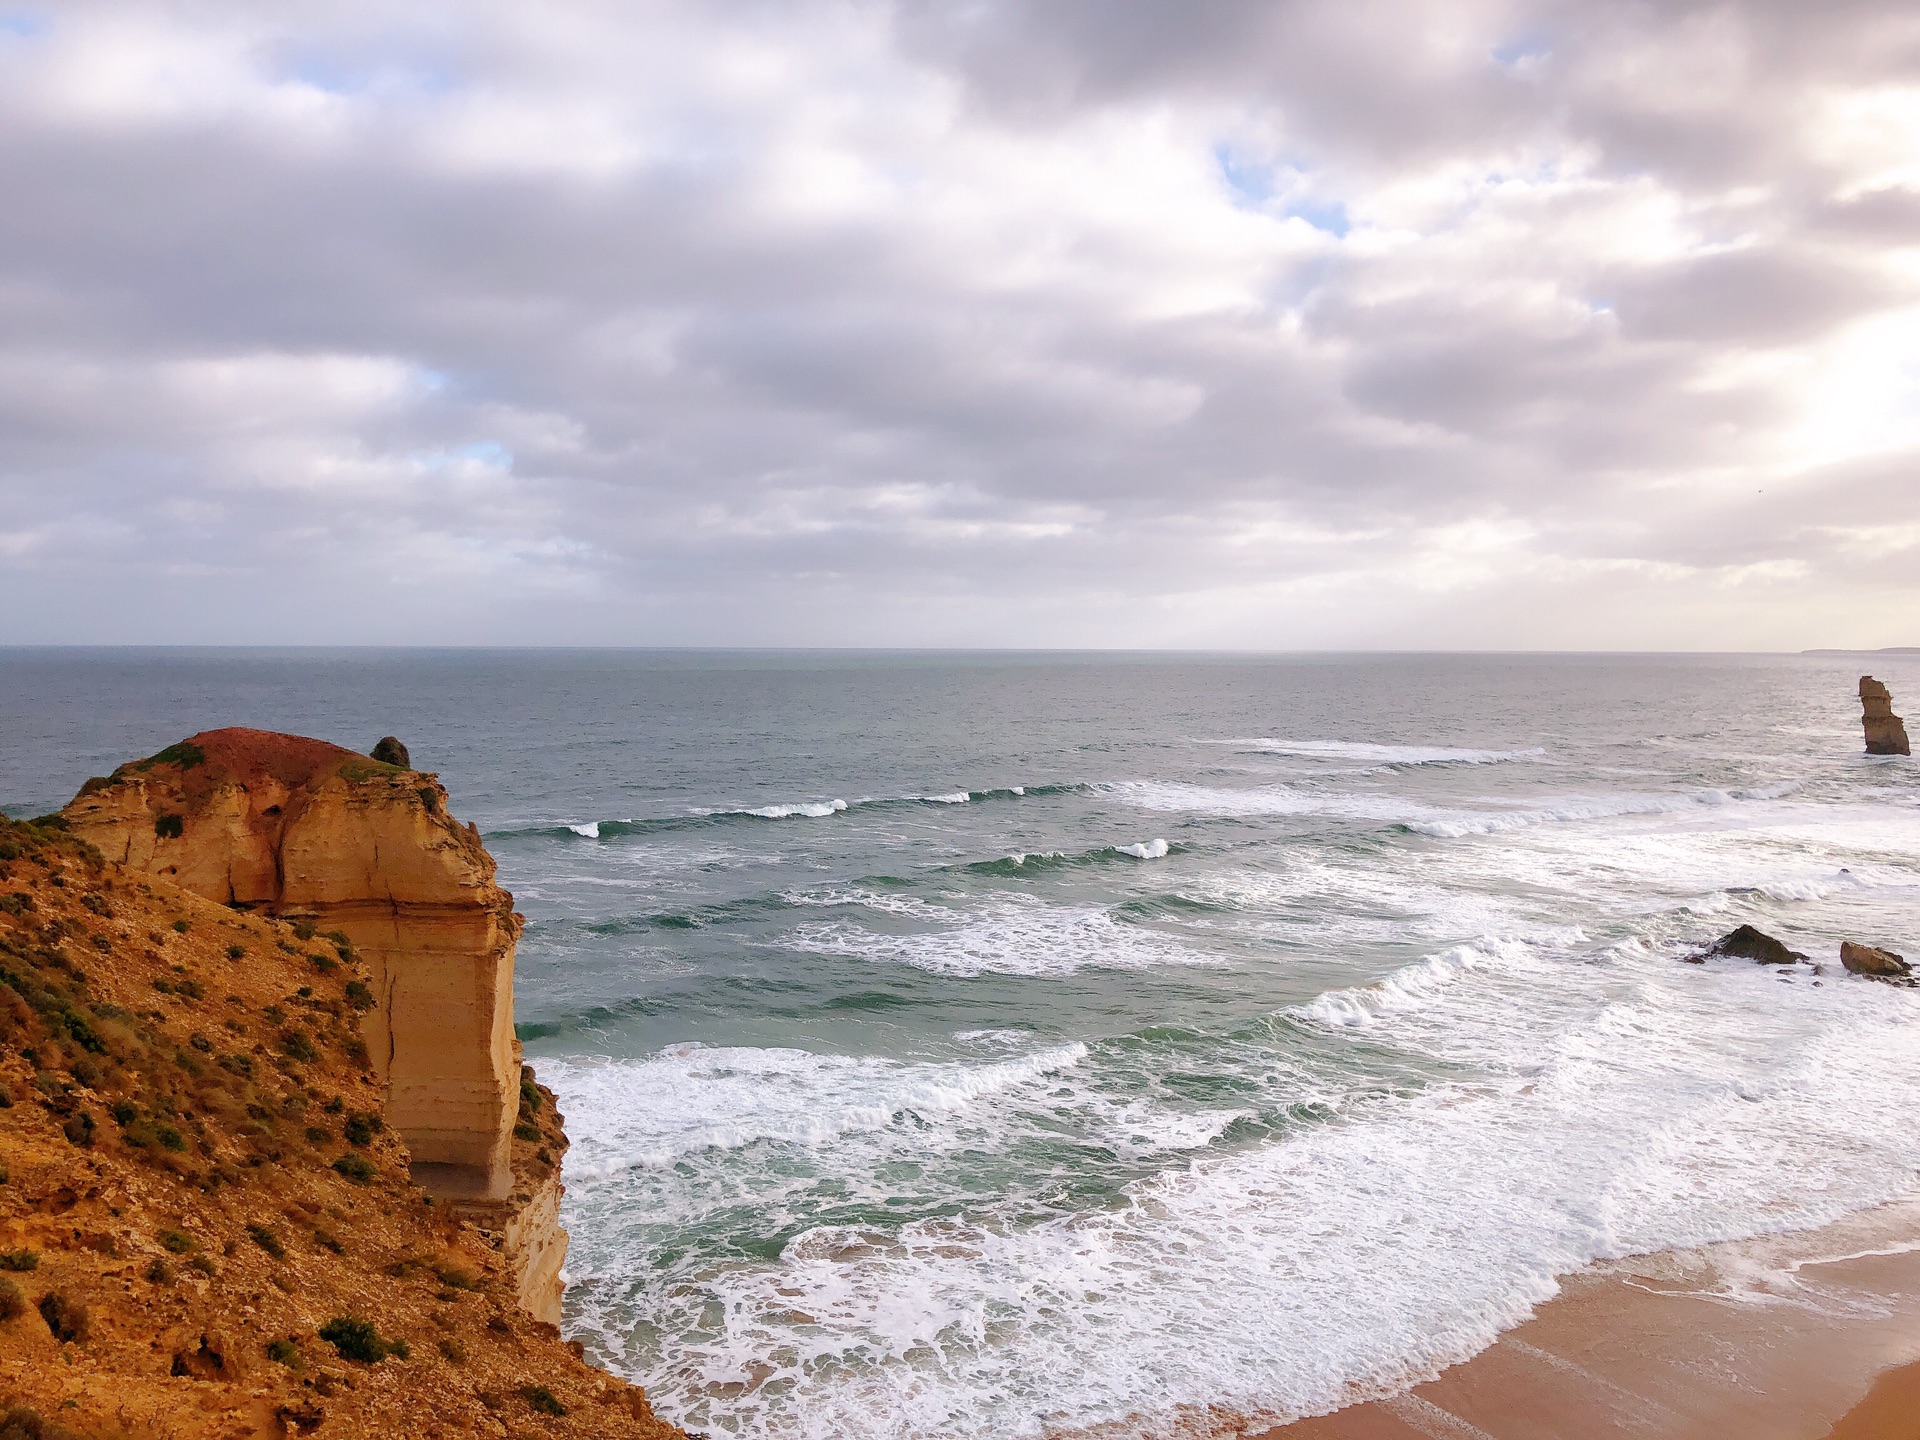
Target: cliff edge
{"type": "Point", "coordinates": [344, 845]}
{"type": "Point", "coordinates": [208, 1226]}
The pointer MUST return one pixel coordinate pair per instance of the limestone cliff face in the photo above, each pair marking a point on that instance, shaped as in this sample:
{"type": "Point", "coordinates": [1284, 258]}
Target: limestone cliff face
{"type": "Point", "coordinates": [207, 1226]}
{"type": "Point", "coordinates": [1886, 733]}
{"type": "Point", "coordinates": [314, 833]}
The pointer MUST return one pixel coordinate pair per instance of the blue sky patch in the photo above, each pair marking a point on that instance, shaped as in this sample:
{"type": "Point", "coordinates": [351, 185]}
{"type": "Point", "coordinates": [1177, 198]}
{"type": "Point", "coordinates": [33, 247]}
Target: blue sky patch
{"type": "Point", "coordinates": [1327, 215]}
{"type": "Point", "coordinates": [1251, 183]}
{"type": "Point", "coordinates": [1524, 48]}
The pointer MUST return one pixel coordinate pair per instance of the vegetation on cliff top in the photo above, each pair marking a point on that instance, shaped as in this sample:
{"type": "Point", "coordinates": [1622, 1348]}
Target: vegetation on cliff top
{"type": "Point", "coordinates": [199, 1190]}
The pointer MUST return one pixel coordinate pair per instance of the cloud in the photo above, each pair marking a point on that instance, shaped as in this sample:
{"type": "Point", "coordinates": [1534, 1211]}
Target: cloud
{"type": "Point", "coordinates": [1121, 323]}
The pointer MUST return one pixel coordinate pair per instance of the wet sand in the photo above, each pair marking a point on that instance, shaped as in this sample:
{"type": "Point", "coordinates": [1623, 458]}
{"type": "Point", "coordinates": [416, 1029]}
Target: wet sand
{"type": "Point", "coordinates": [1805, 1337]}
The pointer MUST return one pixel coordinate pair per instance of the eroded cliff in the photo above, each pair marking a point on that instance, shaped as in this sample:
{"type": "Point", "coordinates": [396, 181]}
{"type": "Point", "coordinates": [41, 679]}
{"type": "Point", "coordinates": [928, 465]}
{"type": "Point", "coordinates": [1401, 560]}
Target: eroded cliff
{"type": "Point", "coordinates": [207, 1225]}
{"type": "Point", "coordinates": [366, 851]}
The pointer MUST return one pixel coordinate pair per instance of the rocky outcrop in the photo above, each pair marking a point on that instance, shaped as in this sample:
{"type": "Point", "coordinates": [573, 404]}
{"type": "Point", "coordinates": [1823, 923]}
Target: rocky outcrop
{"type": "Point", "coordinates": [389, 751]}
{"type": "Point", "coordinates": [1747, 943]}
{"type": "Point", "coordinates": [207, 1225]}
{"type": "Point", "coordinates": [1886, 732]}
{"type": "Point", "coordinates": [1874, 963]}
{"type": "Point", "coordinates": [365, 853]}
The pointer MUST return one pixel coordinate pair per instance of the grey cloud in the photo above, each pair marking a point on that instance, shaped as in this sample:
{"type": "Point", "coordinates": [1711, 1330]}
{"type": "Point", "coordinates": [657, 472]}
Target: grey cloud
{"type": "Point", "coordinates": [933, 323]}
{"type": "Point", "coordinates": [1757, 297]}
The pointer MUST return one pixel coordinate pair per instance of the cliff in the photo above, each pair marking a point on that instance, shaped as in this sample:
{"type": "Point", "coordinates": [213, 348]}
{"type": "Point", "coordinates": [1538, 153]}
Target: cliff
{"type": "Point", "coordinates": [207, 1225]}
{"type": "Point", "coordinates": [1886, 732]}
{"type": "Point", "coordinates": [367, 853]}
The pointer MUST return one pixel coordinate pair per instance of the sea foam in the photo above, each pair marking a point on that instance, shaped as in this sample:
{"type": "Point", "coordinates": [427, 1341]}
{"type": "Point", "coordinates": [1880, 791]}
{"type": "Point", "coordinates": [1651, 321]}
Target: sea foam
{"type": "Point", "coordinates": [1593, 1100]}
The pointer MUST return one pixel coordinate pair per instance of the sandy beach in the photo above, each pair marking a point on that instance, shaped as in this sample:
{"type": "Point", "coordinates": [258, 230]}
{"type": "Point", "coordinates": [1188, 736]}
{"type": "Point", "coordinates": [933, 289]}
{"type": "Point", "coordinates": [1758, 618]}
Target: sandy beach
{"type": "Point", "coordinates": [1793, 1337]}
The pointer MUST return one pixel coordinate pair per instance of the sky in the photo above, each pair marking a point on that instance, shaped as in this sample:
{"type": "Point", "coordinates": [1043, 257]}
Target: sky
{"type": "Point", "coordinates": [1289, 324]}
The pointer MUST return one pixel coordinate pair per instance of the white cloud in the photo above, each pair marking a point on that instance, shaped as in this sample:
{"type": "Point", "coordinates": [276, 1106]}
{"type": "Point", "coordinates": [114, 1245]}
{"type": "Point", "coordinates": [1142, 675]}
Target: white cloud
{"type": "Point", "coordinates": [1346, 322]}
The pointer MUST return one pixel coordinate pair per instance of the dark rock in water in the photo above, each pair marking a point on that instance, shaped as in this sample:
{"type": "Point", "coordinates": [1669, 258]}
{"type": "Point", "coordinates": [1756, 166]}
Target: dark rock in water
{"type": "Point", "coordinates": [1886, 732]}
{"type": "Point", "coordinates": [1877, 964]}
{"type": "Point", "coordinates": [391, 752]}
{"type": "Point", "coordinates": [1747, 943]}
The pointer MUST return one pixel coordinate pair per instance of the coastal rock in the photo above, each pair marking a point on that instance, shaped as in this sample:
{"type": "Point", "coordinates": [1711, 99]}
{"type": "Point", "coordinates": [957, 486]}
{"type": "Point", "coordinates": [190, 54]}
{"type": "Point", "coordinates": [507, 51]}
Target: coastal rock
{"type": "Point", "coordinates": [364, 858]}
{"type": "Point", "coordinates": [231, 1244]}
{"type": "Point", "coordinates": [1874, 963]}
{"type": "Point", "coordinates": [391, 752]}
{"type": "Point", "coordinates": [1747, 943]}
{"type": "Point", "coordinates": [1886, 732]}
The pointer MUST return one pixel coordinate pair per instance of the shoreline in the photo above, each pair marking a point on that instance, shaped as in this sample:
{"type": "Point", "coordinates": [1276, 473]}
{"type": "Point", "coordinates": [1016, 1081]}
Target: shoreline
{"type": "Point", "coordinates": [1813, 1335]}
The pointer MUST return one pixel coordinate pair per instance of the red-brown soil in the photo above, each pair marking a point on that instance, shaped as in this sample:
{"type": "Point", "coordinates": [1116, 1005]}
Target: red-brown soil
{"type": "Point", "coordinates": [198, 1182]}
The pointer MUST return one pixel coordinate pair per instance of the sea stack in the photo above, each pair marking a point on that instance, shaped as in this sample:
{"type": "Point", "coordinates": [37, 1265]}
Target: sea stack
{"type": "Point", "coordinates": [1886, 733]}
{"type": "Point", "coordinates": [365, 851]}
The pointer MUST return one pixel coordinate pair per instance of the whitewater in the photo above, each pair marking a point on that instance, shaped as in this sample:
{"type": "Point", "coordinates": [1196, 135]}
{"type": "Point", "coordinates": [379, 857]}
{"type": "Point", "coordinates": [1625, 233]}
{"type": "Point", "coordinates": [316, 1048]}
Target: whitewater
{"type": "Point", "coordinates": [1023, 1045]}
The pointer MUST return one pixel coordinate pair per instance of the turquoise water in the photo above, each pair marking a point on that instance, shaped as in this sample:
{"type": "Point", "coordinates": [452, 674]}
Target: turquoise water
{"type": "Point", "coordinates": [1005, 1045]}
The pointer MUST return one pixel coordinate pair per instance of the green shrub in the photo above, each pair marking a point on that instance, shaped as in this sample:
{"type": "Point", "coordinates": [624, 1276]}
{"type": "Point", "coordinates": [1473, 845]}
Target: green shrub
{"type": "Point", "coordinates": [23, 1422]}
{"type": "Point", "coordinates": [524, 1131]}
{"type": "Point", "coordinates": [12, 1303]}
{"type": "Point", "coordinates": [267, 1241]}
{"type": "Point", "coordinates": [530, 1097]}
{"type": "Point", "coordinates": [362, 1126]}
{"type": "Point", "coordinates": [19, 1261]}
{"type": "Point", "coordinates": [356, 1339]}
{"type": "Point", "coordinates": [177, 1241]}
{"type": "Point", "coordinates": [67, 1319]}
{"type": "Point", "coordinates": [204, 1264]}
{"type": "Point", "coordinates": [297, 1046]}
{"type": "Point", "coordinates": [159, 1272]}
{"type": "Point", "coordinates": [542, 1399]}
{"type": "Point", "coordinates": [359, 996]}
{"type": "Point", "coordinates": [236, 952]}
{"type": "Point", "coordinates": [284, 1352]}
{"type": "Point", "coordinates": [183, 753]}
{"type": "Point", "coordinates": [181, 927]}
{"type": "Point", "coordinates": [453, 1277]}
{"type": "Point", "coordinates": [451, 1349]}
{"type": "Point", "coordinates": [169, 827]}
{"type": "Point", "coordinates": [319, 1135]}
{"type": "Point", "coordinates": [355, 1168]}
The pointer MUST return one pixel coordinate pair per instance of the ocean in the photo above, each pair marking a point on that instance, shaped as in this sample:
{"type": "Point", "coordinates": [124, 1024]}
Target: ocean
{"type": "Point", "coordinates": [1025, 1044]}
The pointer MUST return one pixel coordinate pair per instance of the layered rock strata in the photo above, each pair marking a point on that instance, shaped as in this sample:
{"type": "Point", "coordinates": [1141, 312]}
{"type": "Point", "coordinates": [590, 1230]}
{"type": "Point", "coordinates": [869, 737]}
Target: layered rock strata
{"type": "Point", "coordinates": [1886, 732]}
{"type": "Point", "coordinates": [366, 852]}
{"type": "Point", "coordinates": [207, 1226]}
